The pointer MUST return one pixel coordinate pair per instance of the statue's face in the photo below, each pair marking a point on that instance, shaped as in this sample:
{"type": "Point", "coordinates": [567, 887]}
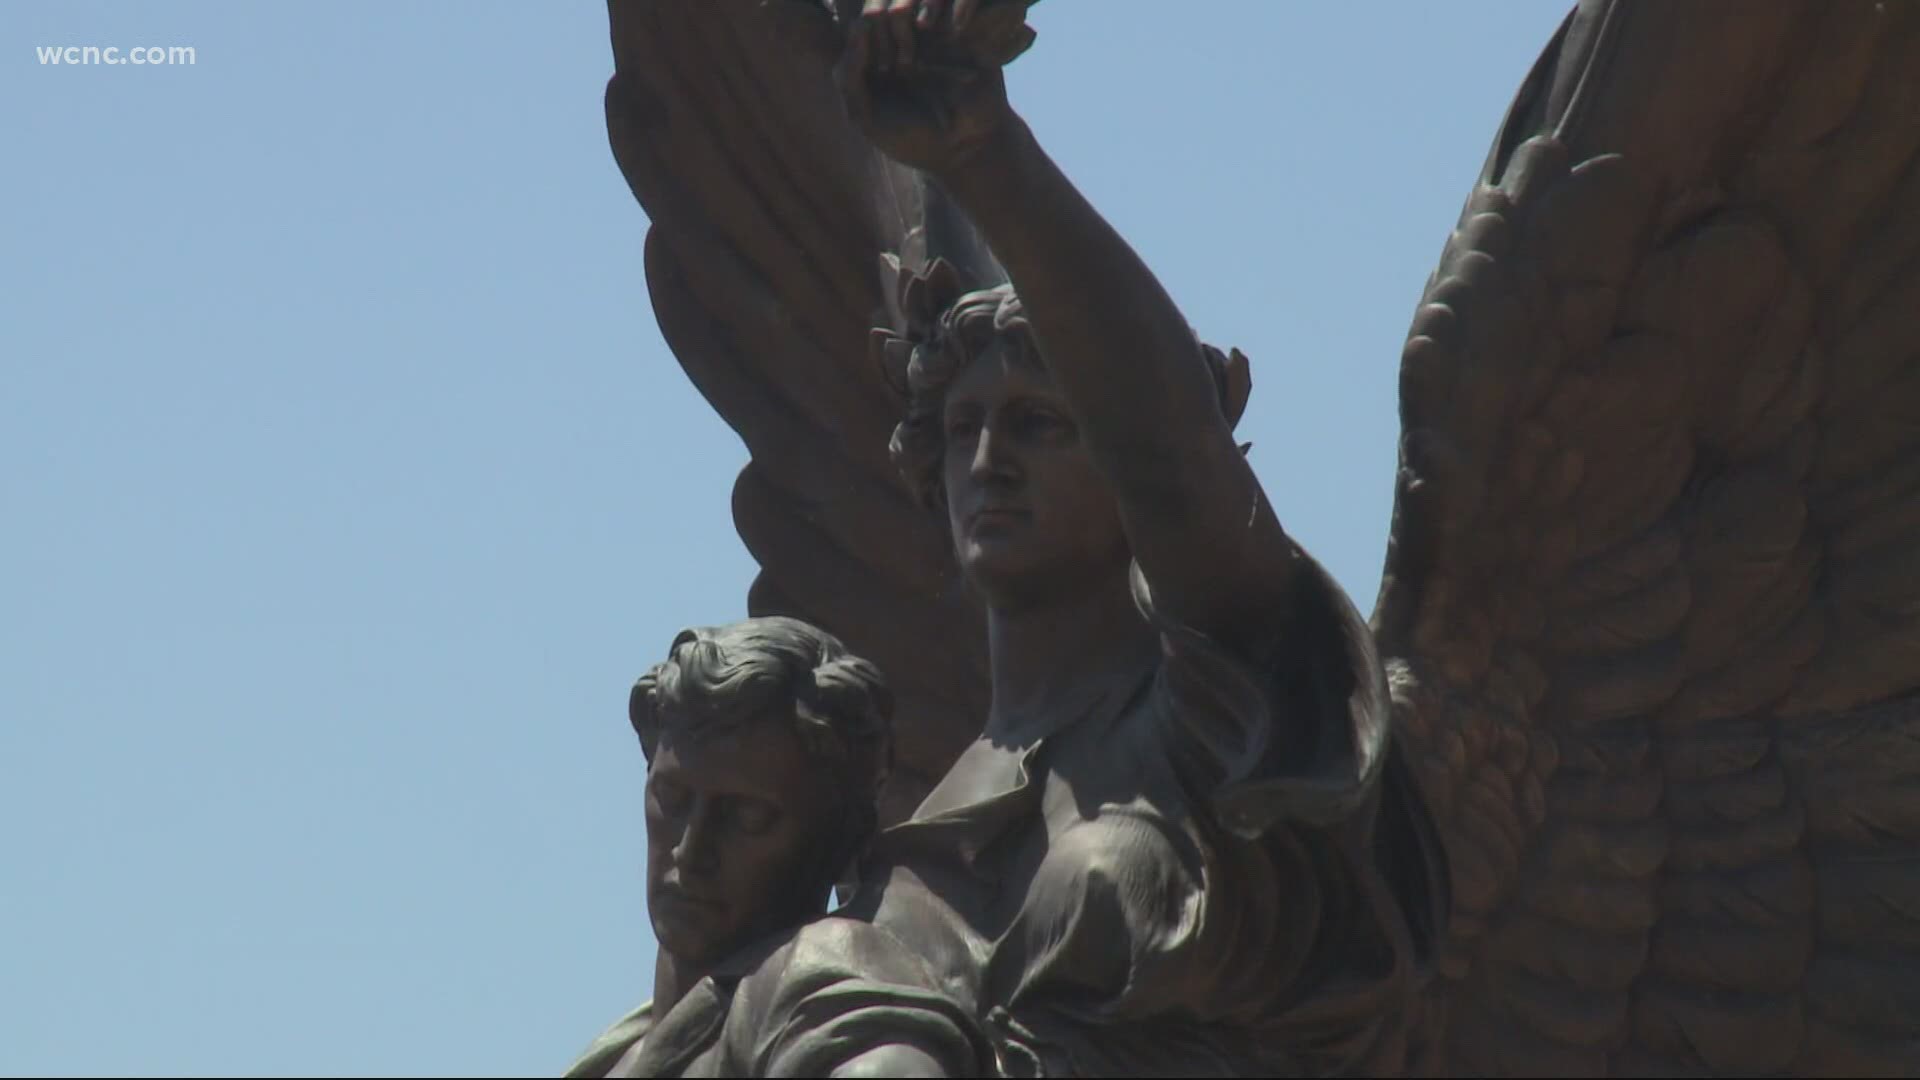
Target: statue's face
{"type": "Point", "coordinates": [1032, 518]}
{"type": "Point", "coordinates": [736, 824]}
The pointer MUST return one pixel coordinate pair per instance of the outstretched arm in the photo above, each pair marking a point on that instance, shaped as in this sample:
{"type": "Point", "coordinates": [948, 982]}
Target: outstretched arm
{"type": "Point", "coordinates": [1116, 346]}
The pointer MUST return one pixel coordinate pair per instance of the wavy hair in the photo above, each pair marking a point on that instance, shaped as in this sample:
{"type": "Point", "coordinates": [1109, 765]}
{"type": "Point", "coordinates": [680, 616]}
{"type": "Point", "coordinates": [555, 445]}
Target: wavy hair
{"type": "Point", "coordinates": [716, 679]}
{"type": "Point", "coordinates": [947, 328]}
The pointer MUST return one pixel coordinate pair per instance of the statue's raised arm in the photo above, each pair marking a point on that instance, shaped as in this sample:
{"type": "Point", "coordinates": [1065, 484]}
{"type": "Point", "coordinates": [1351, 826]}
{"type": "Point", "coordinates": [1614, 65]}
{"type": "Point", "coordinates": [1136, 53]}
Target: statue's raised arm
{"type": "Point", "coordinates": [1126, 364]}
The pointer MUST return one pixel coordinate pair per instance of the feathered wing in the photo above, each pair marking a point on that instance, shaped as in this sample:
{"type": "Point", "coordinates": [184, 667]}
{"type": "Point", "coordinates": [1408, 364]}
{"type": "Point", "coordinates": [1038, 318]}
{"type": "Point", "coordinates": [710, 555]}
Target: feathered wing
{"type": "Point", "coordinates": [1652, 602]}
{"type": "Point", "coordinates": [770, 215]}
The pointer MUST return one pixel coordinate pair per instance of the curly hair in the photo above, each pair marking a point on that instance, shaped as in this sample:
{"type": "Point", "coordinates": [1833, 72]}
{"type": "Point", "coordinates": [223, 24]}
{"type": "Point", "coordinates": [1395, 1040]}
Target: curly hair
{"type": "Point", "coordinates": [947, 328]}
{"type": "Point", "coordinates": [717, 679]}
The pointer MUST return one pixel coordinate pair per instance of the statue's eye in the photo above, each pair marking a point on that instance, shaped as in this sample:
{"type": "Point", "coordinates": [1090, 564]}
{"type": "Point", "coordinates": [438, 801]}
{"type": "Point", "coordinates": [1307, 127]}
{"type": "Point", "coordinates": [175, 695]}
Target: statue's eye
{"type": "Point", "coordinates": [754, 816]}
{"type": "Point", "coordinates": [671, 797]}
{"type": "Point", "coordinates": [1038, 420]}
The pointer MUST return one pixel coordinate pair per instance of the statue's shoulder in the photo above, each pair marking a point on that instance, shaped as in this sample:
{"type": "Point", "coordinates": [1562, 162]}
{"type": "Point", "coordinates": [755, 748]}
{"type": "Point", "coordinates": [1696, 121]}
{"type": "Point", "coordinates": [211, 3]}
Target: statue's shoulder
{"type": "Point", "coordinates": [834, 948]}
{"type": "Point", "coordinates": [613, 1044]}
{"type": "Point", "coordinates": [840, 988]}
{"type": "Point", "coordinates": [832, 959]}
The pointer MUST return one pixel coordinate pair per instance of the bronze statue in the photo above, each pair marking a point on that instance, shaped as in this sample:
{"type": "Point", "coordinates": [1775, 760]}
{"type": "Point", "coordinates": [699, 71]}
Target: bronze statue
{"type": "Point", "coordinates": [1167, 838]}
{"type": "Point", "coordinates": [766, 743]}
{"type": "Point", "coordinates": [1647, 646]}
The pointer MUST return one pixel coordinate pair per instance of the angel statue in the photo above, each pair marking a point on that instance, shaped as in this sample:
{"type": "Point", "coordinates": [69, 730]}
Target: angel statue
{"type": "Point", "coordinates": [1623, 774]}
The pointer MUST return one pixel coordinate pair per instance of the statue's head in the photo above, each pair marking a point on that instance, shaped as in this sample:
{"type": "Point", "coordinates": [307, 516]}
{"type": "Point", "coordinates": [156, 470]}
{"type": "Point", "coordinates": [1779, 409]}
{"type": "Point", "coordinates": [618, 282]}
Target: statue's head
{"type": "Point", "coordinates": [766, 746]}
{"type": "Point", "coordinates": [990, 444]}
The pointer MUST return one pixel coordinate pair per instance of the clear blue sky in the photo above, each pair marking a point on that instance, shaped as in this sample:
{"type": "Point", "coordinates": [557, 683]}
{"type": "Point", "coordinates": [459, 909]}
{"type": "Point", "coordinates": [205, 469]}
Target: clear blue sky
{"type": "Point", "coordinates": [346, 485]}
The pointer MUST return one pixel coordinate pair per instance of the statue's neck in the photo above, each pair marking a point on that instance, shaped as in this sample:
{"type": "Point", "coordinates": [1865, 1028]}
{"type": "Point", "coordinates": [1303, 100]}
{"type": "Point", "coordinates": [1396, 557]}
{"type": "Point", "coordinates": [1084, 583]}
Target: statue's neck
{"type": "Point", "coordinates": [1049, 661]}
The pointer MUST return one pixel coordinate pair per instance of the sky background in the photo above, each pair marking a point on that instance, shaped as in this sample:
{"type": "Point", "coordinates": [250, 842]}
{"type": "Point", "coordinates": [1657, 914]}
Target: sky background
{"type": "Point", "coordinates": [346, 484]}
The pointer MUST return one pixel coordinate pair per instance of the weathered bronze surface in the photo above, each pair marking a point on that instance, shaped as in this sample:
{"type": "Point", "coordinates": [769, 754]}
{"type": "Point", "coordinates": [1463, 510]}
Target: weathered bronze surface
{"type": "Point", "coordinates": [1622, 776]}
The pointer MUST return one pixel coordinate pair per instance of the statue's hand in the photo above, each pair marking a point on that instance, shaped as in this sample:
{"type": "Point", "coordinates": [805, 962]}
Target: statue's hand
{"type": "Point", "coordinates": [922, 77]}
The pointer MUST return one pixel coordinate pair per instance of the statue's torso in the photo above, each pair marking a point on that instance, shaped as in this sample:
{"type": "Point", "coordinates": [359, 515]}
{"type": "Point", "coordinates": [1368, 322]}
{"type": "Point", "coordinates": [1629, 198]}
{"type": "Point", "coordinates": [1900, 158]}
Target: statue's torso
{"type": "Point", "coordinates": [1078, 900]}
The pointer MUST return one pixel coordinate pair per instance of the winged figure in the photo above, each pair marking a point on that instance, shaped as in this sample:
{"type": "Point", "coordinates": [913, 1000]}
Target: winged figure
{"type": "Point", "coordinates": [1650, 617]}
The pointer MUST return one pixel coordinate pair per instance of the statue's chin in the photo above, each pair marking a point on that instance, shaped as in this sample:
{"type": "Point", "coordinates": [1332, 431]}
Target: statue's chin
{"type": "Point", "coordinates": [1004, 574]}
{"type": "Point", "coordinates": [688, 936]}
{"type": "Point", "coordinates": [1018, 578]}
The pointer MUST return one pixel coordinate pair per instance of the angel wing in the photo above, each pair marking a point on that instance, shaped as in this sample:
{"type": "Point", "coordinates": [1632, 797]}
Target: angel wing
{"type": "Point", "coordinates": [770, 215]}
{"type": "Point", "coordinates": [1652, 601]}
